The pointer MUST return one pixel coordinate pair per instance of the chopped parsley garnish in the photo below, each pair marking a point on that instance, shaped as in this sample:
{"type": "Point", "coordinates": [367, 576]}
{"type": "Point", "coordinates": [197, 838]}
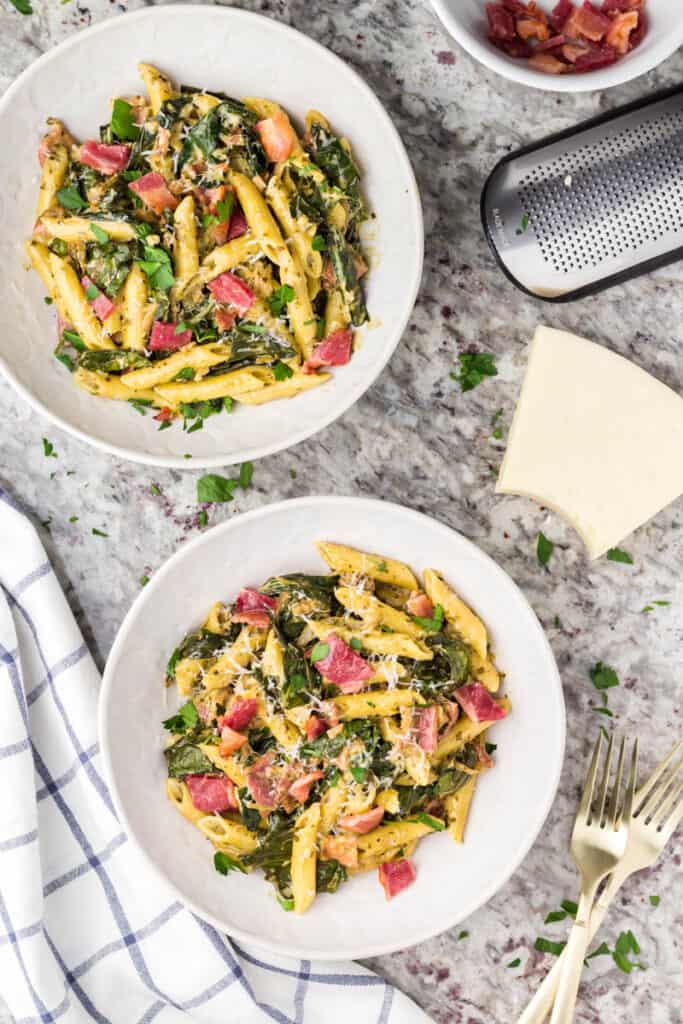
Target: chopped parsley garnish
{"type": "Point", "coordinates": [213, 487]}
{"type": "Point", "coordinates": [47, 300]}
{"type": "Point", "coordinates": [71, 198]}
{"type": "Point", "coordinates": [224, 208]}
{"type": "Point", "coordinates": [223, 863]}
{"type": "Point", "coordinates": [73, 339]}
{"type": "Point", "coordinates": [202, 518]}
{"type": "Point", "coordinates": [651, 607]}
{"type": "Point", "coordinates": [281, 371]}
{"type": "Point", "coordinates": [319, 652]}
{"type": "Point", "coordinates": [547, 946]}
{"type": "Point", "coordinates": [514, 963]}
{"type": "Point", "coordinates": [122, 121]}
{"type": "Point", "coordinates": [49, 449]}
{"type": "Point", "coordinates": [158, 268]}
{"type": "Point", "coordinates": [99, 533]}
{"type": "Point", "coordinates": [603, 677]}
{"type": "Point", "coordinates": [654, 900]}
{"type": "Point", "coordinates": [286, 903]}
{"type": "Point", "coordinates": [73, 519]}
{"type": "Point", "coordinates": [23, 6]}
{"type": "Point", "coordinates": [569, 909]}
{"type": "Point", "coordinates": [426, 819]}
{"type": "Point", "coordinates": [355, 643]}
{"type": "Point", "coordinates": [91, 292]}
{"type": "Point", "coordinates": [490, 747]}
{"type": "Point", "coordinates": [140, 405]}
{"type": "Point", "coordinates": [154, 489]}
{"type": "Point", "coordinates": [246, 475]}
{"type": "Point", "coordinates": [381, 567]}
{"type": "Point", "coordinates": [278, 299]}
{"type": "Point", "coordinates": [144, 580]}
{"type": "Point", "coordinates": [318, 244]}
{"type": "Point", "coordinates": [432, 625]}
{"type": "Point", "coordinates": [544, 548]}
{"type": "Point", "coordinates": [101, 236]}
{"type": "Point", "coordinates": [463, 935]}
{"type": "Point", "coordinates": [625, 946]}
{"type": "Point", "coordinates": [187, 373]}
{"type": "Point", "coordinates": [496, 429]}
{"type": "Point", "coordinates": [474, 366]}
{"type": "Point", "coordinates": [358, 773]}
{"type": "Point", "coordinates": [187, 717]}
{"type": "Point", "coordinates": [617, 555]}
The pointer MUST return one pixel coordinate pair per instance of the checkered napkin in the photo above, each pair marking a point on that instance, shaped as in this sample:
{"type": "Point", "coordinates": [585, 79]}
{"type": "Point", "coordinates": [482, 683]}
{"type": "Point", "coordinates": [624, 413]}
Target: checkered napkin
{"type": "Point", "coordinates": [86, 932]}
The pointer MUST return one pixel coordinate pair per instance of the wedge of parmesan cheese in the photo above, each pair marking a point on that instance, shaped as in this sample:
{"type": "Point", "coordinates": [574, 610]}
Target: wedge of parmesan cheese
{"type": "Point", "coordinates": [595, 438]}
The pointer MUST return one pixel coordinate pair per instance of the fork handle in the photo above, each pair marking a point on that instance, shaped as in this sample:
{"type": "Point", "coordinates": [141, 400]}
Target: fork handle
{"type": "Point", "coordinates": [574, 953]}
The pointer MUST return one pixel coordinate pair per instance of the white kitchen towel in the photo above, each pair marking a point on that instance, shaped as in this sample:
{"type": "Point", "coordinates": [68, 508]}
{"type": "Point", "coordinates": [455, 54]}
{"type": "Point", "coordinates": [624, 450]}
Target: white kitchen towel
{"type": "Point", "coordinates": [86, 932]}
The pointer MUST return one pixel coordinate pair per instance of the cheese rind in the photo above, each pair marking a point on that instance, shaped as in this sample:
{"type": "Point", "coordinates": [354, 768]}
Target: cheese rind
{"type": "Point", "coordinates": [594, 438]}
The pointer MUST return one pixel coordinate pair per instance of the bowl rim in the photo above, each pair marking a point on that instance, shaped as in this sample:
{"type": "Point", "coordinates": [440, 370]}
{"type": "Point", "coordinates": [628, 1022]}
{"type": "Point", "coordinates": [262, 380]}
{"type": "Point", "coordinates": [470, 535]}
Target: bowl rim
{"type": "Point", "coordinates": [623, 71]}
{"type": "Point", "coordinates": [413, 272]}
{"type": "Point", "coordinates": [107, 693]}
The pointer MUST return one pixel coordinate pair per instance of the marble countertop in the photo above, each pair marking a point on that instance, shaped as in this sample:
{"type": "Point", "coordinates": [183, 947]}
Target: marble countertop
{"type": "Point", "coordinates": [416, 439]}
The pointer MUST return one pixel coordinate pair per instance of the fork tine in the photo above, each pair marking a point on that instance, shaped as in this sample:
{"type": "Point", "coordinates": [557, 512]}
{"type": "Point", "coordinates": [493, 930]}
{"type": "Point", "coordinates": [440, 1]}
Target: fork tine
{"type": "Point", "coordinates": [589, 785]}
{"type": "Point", "coordinates": [657, 794]}
{"type": "Point", "coordinates": [663, 812]}
{"type": "Point", "coordinates": [656, 775]}
{"type": "Point", "coordinates": [615, 799]}
{"type": "Point", "coordinates": [670, 826]}
{"type": "Point", "coordinates": [605, 782]}
{"type": "Point", "coordinates": [627, 810]}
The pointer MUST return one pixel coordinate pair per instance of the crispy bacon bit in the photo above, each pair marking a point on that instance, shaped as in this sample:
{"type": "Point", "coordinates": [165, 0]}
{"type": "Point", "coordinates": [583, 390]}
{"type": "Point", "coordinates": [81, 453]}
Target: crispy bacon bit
{"type": "Point", "coordinates": [587, 35]}
{"type": "Point", "coordinates": [104, 158]}
{"type": "Point", "coordinates": [341, 848]}
{"type": "Point", "coordinates": [395, 876]}
{"type": "Point", "coordinates": [420, 605]}
{"type": "Point", "coordinates": [229, 288]}
{"type": "Point", "coordinates": [211, 794]}
{"type": "Point", "coordinates": [425, 724]}
{"type": "Point", "coordinates": [163, 337]}
{"type": "Point", "coordinates": [277, 137]}
{"type": "Point", "coordinates": [238, 223]}
{"type": "Point", "coordinates": [154, 192]}
{"type": "Point", "coordinates": [253, 608]}
{"type": "Point", "coordinates": [315, 726]}
{"type": "Point", "coordinates": [301, 788]}
{"type": "Point", "coordinates": [335, 350]}
{"type": "Point", "coordinates": [102, 306]}
{"type": "Point", "coordinates": [362, 823]}
{"type": "Point", "coordinates": [343, 667]}
{"type": "Point", "coordinates": [230, 741]}
{"type": "Point", "coordinates": [478, 704]}
{"type": "Point", "coordinates": [239, 714]}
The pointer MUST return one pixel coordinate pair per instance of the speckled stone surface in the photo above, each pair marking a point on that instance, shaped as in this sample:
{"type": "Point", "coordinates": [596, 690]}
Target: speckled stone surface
{"type": "Point", "coordinates": [416, 439]}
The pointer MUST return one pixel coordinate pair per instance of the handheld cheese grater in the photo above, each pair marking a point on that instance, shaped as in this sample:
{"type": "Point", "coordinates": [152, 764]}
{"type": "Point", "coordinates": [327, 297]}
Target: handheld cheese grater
{"type": "Point", "coordinates": [593, 206]}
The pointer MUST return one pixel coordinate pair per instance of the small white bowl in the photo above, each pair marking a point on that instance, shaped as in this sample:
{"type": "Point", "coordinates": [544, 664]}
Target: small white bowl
{"type": "Point", "coordinates": [512, 800]}
{"type": "Point", "coordinates": [466, 22]}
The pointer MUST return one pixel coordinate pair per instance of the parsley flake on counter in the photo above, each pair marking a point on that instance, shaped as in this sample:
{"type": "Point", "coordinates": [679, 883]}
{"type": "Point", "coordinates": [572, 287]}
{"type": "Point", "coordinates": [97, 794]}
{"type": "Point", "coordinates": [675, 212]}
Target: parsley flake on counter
{"type": "Point", "coordinates": [496, 429]}
{"type": "Point", "coordinates": [202, 519]}
{"type": "Point", "coordinates": [547, 946]}
{"type": "Point", "coordinates": [618, 555]}
{"type": "Point", "coordinates": [144, 580]}
{"type": "Point", "coordinates": [654, 900]}
{"type": "Point", "coordinates": [154, 489]}
{"type": "Point", "coordinates": [544, 548]}
{"type": "Point", "coordinates": [514, 963]}
{"type": "Point", "coordinates": [49, 449]}
{"type": "Point", "coordinates": [73, 519]}
{"type": "Point", "coordinates": [214, 488]}
{"type": "Point", "coordinates": [625, 946]}
{"type": "Point", "coordinates": [474, 366]}
{"type": "Point", "coordinates": [603, 677]}
{"type": "Point", "coordinates": [568, 909]}
{"type": "Point", "coordinates": [246, 475]}
{"type": "Point", "coordinates": [463, 935]}
{"type": "Point", "coordinates": [99, 533]}
{"type": "Point", "coordinates": [651, 607]}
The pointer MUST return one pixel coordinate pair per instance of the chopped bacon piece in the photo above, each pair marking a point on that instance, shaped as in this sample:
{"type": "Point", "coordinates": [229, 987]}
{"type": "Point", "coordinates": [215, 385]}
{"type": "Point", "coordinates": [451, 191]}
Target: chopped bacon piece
{"type": "Point", "coordinates": [547, 63]}
{"type": "Point", "coordinates": [301, 788]}
{"type": "Point", "coordinates": [426, 724]}
{"type": "Point", "coordinates": [395, 876]}
{"type": "Point", "coordinates": [277, 136]}
{"type": "Point", "coordinates": [315, 726]}
{"type": "Point", "coordinates": [598, 57]}
{"type": "Point", "coordinates": [341, 848]}
{"type": "Point", "coordinates": [619, 35]}
{"type": "Point", "coordinates": [262, 782]}
{"type": "Point", "coordinates": [229, 288]}
{"type": "Point", "coordinates": [238, 223]}
{"type": "Point", "coordinates": [154, 192]}
{"type": "Point", "coordinates": [501, 22]}
{"type": "Point", "coordinates": [239, 714]}
{"type": "Point", "coordinates": [587, 22]}
{"type": "Point", "coordinates": [231, 741]}
{"type": "Point", "coordinates": [335, 350]}
{"type": "Point", "coordinates": [638, 33]}
{"type": "Point", "coordinates": [104, 158]}
{"type": "Point", "coordinates": [362, 823]}
{"type": "Point", "coordinates": [225, 318]}
{"type": "Point", "coordinates": [253, 607]}
{"type": "Point", "coordinates": [572, 51]}
{"type": "Point", "coordinates": [420, 605]}
{"type": "Point", "coordinates": [478, 704]}
{"type": "Point", "coordinates": [551, 44]}
{"type": "Point", "coordinates": [608, 6]}
{"type": "Point", "coordinates": [342, 666]}
{"type": "Point", "coordinates": [210, 794]}
{"type": "Point", "coordinates": [163, 337]}
{"type": "Point", "coordinates": [101, 304]}
{"type": "Point", "coordinates": [560, 13]}
{"type": "Point", "coordinates": [532, 28]}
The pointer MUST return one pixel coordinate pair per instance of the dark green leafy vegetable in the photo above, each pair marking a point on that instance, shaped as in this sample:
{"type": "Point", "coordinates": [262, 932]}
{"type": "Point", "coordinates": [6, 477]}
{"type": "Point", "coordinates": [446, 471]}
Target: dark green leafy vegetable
{"type": "Point", "coordinates": [108, 264]}
{"type": "Point", "coordinates": [71, 198]}
{"type": "Point", "coordinates": [122, 121]}
{"type": "Point", "coordinates": [603, 677]}
{"type": "Point", "coordinates": [618, 555]}
{"type": "Point", "coordinates": [158, 268]}
{"type": "Point", "coordinates": [246, 475]}
{"type": "Point", "coordinates": [249, 813]}
{"type": "Point", "coordinates": [342, 256]}
{"type": "Point", "coordinates": [59, 247]}
{"type": "Point", "coordinates": [213, 487]}
{"type": "Point", "coordinates": [337, 164]}
{"type": "Point", "coordinates": [111, 360]}
{"type": "Point", "coordinates": [449, 667]}
{"type": "Point", "coordinates": [329, 875]}
{"type": "Point", "coordinates": [183, 758]}
{"type": "Point", "coordinates": [229, 120]}
{"type": "Point", "coordinates": [433, 624]}
{"type": "Point", "coordinates": [224, 863]}
{"type": "Point", "coordinates": [281, 371]}
{"type": "Point", "coordinates": [299, 682]}
{"type": "Point", "coordinates": [200, 644]}
{"type": "Point", "coordinates": [274, 854]}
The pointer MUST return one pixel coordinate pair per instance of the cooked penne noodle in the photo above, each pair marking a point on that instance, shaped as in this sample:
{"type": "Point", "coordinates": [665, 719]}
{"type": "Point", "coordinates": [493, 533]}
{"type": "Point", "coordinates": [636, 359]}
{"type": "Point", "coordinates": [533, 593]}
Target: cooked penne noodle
{"type": "Point", "coordinates": [76, 307]}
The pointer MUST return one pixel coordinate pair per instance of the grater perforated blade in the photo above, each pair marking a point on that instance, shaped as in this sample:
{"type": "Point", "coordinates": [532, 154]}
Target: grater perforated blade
{"type": "Point", "coordinates": [593, 206]}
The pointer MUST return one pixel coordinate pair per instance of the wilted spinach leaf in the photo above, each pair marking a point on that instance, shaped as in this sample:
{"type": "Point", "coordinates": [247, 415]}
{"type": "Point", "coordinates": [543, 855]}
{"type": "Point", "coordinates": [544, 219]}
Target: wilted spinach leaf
{"type": "Point", "coordinates": [200, 644]}
{"type": "Point", "coordinates": [184, 758]}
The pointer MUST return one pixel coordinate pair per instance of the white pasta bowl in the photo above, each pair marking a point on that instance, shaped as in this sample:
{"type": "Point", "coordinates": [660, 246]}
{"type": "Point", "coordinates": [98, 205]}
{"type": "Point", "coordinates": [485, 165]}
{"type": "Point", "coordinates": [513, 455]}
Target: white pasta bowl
{"type": "Point", "coordinates": [242, 54]}
{"type": "Point", "coordinates": [466, 22]}
{"type": "Point", "coordinates": [511, 802]}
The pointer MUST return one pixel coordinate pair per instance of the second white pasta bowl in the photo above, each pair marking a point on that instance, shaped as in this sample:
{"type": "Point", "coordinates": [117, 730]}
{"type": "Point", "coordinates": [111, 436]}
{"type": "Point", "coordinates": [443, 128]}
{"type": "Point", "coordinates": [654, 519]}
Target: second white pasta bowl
{"type": "Point", "coordinates": [511, 801]}
{"type": "Point", "coordinates": [241, 54]}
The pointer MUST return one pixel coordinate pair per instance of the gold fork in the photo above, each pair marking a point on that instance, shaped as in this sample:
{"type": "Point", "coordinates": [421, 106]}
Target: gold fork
{"type": "Point", "coordinates": [598, 844]}
{"type": "Point", "coordinates": [658, 810]}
